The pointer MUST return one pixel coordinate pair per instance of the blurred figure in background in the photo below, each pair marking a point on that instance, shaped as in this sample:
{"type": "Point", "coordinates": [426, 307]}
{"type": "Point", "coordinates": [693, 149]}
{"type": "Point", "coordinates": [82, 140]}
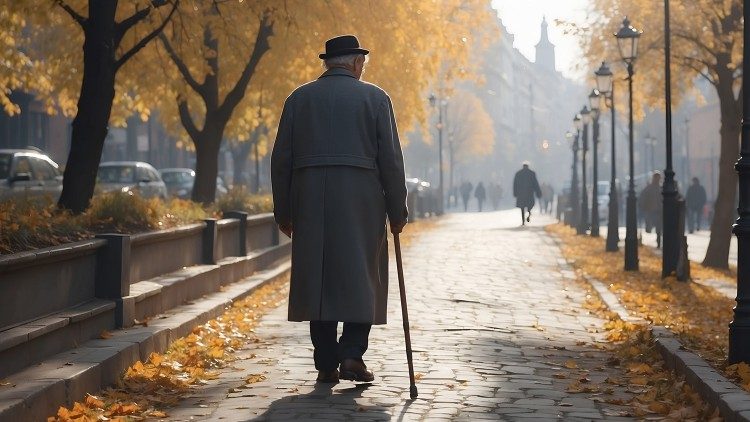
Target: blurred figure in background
{"type": "Point", "coordinates": [496, 194]}
{"type": "Point", "coordinates": [650, 204]}
{"type": "Point", "coordinates": [547, 195]}
{"type": "Point", "coordinates": [525, 186]}
{"type": "Point", "coordinates": [466, 189]}
{"type": "Point", "coordinates": [480, 194]}
{"type": "Point", "coordinates": [694, 202]}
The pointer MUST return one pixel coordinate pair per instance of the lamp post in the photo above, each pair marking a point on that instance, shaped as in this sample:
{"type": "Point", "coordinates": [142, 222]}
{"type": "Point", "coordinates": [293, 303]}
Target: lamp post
{"type": "Point", "coordinates": [627, 42]}
{"type": "Point", "coordinates": [670, 217]}
{"type": "Point", "coordinates": [605, 84]}
{"type": "Point", "coordinates": [440, 104]}
{"type": "Point", "coordinates": [739, 328]}
{"type": "Point", "coordinates": [575, 205]}
{"type": "Point", "coordinates": [583, 220]}
{"type": "Point", "coordinates": [595, 99]}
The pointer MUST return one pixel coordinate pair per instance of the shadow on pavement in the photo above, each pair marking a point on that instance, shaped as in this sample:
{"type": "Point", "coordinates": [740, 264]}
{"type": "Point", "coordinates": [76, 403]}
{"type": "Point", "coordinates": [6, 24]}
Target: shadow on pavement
{"type": "Point", "coordinates": [324, 403]}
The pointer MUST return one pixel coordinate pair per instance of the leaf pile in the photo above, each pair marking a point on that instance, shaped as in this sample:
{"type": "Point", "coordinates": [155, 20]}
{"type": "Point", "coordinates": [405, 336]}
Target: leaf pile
{"type": "Point", "coordinates": [666, 302]}
{"type": "Point", "coordinates": [658, 392]}
{"type": "Point", "coordinates": [147, 389]}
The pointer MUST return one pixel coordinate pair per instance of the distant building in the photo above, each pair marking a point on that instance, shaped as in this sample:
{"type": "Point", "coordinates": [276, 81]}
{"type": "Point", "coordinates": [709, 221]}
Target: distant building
{"type": "Point", "coordinates": [532, 105]}
{"type": "Point", "coordinates": [545, 50]}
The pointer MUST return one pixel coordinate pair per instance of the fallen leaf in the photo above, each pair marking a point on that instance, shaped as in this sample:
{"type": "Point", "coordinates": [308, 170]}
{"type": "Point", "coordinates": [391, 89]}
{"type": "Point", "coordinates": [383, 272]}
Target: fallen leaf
{"type": "Point", "coordinates": [571, 364]}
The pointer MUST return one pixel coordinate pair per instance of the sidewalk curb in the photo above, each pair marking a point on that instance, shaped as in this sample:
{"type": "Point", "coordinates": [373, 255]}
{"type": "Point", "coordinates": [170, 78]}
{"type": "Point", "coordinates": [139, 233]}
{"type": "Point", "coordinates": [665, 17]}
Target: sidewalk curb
{"type": "Point", "coordinates": [64, 378]}
{"type": "Point", "coordinates": [732, 401]}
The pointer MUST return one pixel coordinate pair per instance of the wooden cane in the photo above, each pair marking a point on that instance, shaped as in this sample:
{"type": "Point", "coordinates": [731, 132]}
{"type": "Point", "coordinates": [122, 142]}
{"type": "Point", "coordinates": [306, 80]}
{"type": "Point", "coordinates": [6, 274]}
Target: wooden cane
{"type": "Point", "coordinates": [405, 316]}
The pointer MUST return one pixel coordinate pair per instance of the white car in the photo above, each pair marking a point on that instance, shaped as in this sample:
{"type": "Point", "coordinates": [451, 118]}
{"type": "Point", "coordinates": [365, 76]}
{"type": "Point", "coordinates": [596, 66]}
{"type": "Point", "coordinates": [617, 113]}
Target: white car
{"type": "Point", "coordinates": [28, 173]}
{"type": "Point", "coordinates": [131, 176]}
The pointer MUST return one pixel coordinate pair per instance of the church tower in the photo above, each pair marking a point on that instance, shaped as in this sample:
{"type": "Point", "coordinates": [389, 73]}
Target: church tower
{"type": "Point", "coordinates": [545, 50]}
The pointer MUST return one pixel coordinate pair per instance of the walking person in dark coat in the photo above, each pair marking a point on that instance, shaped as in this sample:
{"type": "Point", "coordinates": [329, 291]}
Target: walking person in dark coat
{"type": "Point", "coordinates": [480, 194]}
{"type": "Point", "coordinates": [466, 188]}
{"type": "Point", "coordinates": [650, 203]}
{"type": "Point", "coordinates": [525, 186]}
{"type": "Point", "coordinates": [337, 171]}
{"type": "Point", "coordinates": [695, 200]}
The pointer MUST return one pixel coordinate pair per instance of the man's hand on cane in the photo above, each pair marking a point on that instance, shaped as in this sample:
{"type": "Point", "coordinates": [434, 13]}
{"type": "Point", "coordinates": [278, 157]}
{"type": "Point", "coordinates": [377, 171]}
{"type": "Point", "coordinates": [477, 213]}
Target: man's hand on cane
{"type": "Point", "coordinates": [396, 228]}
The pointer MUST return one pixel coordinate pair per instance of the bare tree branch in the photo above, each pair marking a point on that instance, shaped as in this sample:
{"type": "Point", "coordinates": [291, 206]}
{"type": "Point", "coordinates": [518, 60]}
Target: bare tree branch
{"type": "Point", "coordinates": [145, 40]}
{"type": "Point", "coordinates": [122, 28]}
{"type": "Point", "coordinates": [261, 47]}
{"type": "Point", "coordinates": [186, 119]}
{"type": "Point", "coordinates": [181, 66]}
{"type": "Point", "coordinates": [73, 14]}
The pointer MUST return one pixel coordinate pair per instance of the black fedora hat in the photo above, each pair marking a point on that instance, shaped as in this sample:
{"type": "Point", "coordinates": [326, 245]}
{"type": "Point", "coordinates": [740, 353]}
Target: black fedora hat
{"type": "Point", "coordinates": [341, 46]}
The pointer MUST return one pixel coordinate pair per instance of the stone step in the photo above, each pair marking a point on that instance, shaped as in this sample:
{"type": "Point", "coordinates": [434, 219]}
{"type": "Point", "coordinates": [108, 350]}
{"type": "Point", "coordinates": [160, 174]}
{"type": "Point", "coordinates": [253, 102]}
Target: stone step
{"type": "Point", "coordinates": [35, 340]}
{"type": "Point", "coordinates": [36, 392]}
{"type": "Point", "coordinates": [159, 294]}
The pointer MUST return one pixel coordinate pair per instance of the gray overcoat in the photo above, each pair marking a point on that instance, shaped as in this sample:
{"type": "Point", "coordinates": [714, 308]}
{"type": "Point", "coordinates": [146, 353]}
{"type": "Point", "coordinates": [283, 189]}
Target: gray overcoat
{"type": "Point", "coordinates": [337, 170]}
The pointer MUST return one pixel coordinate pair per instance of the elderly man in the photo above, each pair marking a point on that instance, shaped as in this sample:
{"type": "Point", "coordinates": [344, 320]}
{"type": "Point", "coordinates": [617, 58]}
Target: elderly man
{"type": "Point", "coordinates": [337, 171]}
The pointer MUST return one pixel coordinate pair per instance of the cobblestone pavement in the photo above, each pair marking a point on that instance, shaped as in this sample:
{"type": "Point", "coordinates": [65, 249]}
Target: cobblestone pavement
{"type": "Point", "coordinates": [495, 319]}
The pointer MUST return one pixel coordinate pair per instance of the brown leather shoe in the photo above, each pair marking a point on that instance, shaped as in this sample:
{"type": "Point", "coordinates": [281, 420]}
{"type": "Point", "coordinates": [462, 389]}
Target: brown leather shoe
{"type": "Point", "coordinates": [356, 370]}
{"type": "Point", "coordinates": [328, 376]}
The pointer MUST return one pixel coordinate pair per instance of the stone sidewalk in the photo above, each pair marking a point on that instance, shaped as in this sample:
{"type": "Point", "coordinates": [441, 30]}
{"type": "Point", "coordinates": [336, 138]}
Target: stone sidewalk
{"type": "Point", "coordinates": [495, 321]}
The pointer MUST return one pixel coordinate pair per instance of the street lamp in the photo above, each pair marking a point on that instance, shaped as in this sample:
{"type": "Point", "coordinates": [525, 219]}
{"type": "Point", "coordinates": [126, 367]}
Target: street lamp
{"type": "Point", "coordinates": [595, 101]}
{"type": "Point", "coordinates": [583, 221]}
{"type": "Point", "coordinates": [670, 217]}
{"type": "Point", "coordinates": [627, 42]}
{"type": "Point", "coordinates": [577, 124]}
{"type": "Point", "coordinates": [605, 84]}
{"type": "Point", "coordinates": [440, 104]}
{"type": "Point", "coordinates": [739, 328]}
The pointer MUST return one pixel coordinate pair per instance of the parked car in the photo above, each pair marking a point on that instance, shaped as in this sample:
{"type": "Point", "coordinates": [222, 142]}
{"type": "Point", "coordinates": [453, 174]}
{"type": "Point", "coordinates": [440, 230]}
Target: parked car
{"type": "Point", "coordinates": [28, 173]}
{"type": "Point", "coordinates": [131, 176]}
{"type": "Point", "coordinates": [180, 182]}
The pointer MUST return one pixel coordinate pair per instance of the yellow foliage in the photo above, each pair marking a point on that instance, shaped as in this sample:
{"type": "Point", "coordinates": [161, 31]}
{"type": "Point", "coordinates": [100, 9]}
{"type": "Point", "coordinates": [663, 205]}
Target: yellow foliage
{"type": "Point", "coordinates": [471, 132]}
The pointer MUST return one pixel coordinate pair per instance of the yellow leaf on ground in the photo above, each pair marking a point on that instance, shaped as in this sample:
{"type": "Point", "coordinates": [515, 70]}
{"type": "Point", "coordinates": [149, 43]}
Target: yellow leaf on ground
{"type": "Point", "coordinates": [252, 379]}
{"type": "Point", "coordinates": [571, 364]}
{"type": "Point", "coordinates": [94, 402]}
{"type": "Point", "coordinates": [658, 407]}
{"type": "Point", "coordinates": [105, 334]}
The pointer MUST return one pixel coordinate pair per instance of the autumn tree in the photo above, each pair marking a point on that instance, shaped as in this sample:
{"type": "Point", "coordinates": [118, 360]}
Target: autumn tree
{"type": "Point", "coordinates": [222, 50]}
{"type": "Point", "coordinates": [469, 129]}
{"type": "Point", "coordinates": [706, 43]}
{"type": "Point", "coordinates": [111, 33]}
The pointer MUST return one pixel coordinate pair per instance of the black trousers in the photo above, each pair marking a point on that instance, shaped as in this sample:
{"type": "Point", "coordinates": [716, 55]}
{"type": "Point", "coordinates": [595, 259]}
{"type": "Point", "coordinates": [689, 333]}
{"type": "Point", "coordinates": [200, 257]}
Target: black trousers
{"type": "Point", "coordinates": [328, 352]}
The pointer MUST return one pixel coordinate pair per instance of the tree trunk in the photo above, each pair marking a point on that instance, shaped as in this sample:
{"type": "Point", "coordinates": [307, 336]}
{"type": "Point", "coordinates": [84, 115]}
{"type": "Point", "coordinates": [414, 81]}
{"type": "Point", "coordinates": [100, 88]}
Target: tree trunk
{"type": "Point", "coordinates": [207, 146]}
{"type": "Point", "coordinates": [717, 254]}
{"type": "Point", "coordinates": [94, 107]}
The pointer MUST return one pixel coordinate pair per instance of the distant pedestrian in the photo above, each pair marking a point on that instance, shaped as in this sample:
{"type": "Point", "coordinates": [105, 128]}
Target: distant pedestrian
{"type": "Point", "coordinates": [466, 189]}
{"type": "Point", "coordinates": [337, 171]}
{"type": "Point", "coordinates": [547, 196]}
{"type": "Point", "coordinates": [496, 194]}
{"type": "Point", "coordinates": [694, 202]}
{"type": "Point", "coordinates": [480, 194]}
{"type": "Point", "coordinates": [650, 204]}
{"type": "Point", "coordinates": [525, 186]}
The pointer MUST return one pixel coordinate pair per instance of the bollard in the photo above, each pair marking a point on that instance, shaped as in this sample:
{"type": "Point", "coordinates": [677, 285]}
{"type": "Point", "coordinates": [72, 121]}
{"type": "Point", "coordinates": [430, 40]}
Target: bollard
{"type": "Point", "coordinates": [242, 216]}
{"type": "Point", "coordinates": [112, 280]}
{"type": "Point", "coordinates": [210, 234]}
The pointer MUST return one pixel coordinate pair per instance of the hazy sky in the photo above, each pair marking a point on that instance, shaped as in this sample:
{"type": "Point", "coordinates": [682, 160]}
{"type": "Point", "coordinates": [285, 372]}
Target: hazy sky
{"type": "Point", "coordinates": [523, 19]}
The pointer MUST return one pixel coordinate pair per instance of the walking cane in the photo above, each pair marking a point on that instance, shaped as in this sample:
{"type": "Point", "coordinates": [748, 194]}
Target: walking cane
{"type": "Point", "coordinates": [405, 316]}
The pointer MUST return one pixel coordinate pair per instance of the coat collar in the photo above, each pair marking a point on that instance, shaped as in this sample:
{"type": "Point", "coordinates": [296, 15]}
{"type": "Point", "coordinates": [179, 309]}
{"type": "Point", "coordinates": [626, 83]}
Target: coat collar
{"type": "Point", "coordinates": [337, 71]}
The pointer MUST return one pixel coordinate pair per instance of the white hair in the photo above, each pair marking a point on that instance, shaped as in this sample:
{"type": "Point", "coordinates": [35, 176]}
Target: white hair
{"type": "Point", "coordinates": [345, 60]}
